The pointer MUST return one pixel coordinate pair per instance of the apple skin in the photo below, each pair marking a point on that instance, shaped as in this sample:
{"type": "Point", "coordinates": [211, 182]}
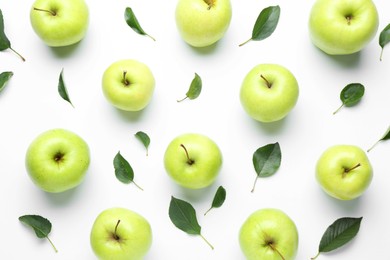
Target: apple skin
{"type": "Point", "coordinates": [67, 27]}
{"type": "Point", "coordinates": [329, 28]}
{"type": "Point", "coordinates": [269, 104]}
{"type": "Point", "coordinates": [332, 176]}
{"type": "Point", "coordinates": [263, 227]}
{"type": "Point", "coordinates": [57, 160]}
{"type": "Point", "coordinates": [203, 151]}
{"type": "Point", "coordinates": [137, 94]}
{"type": "Point", "coordinates": [203, 22]}
{"type": "Point", "coordinates": [134, 232]}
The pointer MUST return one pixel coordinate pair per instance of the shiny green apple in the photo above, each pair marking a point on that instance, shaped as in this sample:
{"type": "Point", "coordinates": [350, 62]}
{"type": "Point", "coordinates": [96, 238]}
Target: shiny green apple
{"type": "Point", "coordinates": [203, 22]}
{"type": "Point", "coordinates": [60, 23]}
{"type": "Point", "coordinates": [120, 234]}
{"type": "Point", "coordinates": [340, 27]}
{"type": "Point", "coordinates": [57, 160]}
{"type": "Point", "coordinates": [269, 92]}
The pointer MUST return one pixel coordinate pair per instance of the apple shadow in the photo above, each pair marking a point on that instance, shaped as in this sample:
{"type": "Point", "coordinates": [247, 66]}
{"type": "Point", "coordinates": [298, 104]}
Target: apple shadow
{"type": "Point", "coordinates": [65, 51]}
{"type": "Point", "coordinates": [348, 206]}
{"type": "Point", "coordinates": [204, 51]}
{"type": "Point", "coordinates": [345, 61]}
{"type": "Point", "coordinates": [197, 195]}
{"type": "Point", "coordinates": [62, 198]}
{"type": "Point", "coordinates": [131, 116]}
{"type": "Point", "coordinates": [272, 128]}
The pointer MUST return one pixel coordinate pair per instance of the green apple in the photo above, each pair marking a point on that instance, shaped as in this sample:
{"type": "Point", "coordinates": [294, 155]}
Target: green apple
{"type": "Point", "coordinates": [120, 234]}
{"type": "Point", "coordinates": [203, 22]}
{"type": "Point", "coordinates": [269, 234]}
{"type": "Point", "coordinates": [128, 85]}
{"type": "Point", "coordinates": [344, 171]}
{"type": "Point", "coordinates": [340, 27]}
{"type": "Point", "coordinates": [269, 92]}
{"type": "Point", "coordinates": [58, 22]}
{"type": "Point", "coordinates": [57, 160]}
{"type": "Point", "coordinates": [193, 160]}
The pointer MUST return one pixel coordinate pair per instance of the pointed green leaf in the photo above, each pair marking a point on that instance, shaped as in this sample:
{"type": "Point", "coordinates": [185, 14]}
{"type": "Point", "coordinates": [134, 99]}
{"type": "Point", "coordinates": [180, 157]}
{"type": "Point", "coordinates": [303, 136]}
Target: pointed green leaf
{"type": "Point", "coordinates": [144, 138]}
{"type": "Point", "coordinates": [195, 88]}
{"type": "Point", "coordinates": [265, 24]}
{"type": "Point", "coordinates": [219, 198]}
{"type": "Point", "coordinates": [41, 226]}
{"type": "Point", "coordinates": [4, 78]}
{"type": "Point", "coordinates": [4, 41]}
{"type": "Point", "coordinates": [62, 88]}
{"type": "Point", "coordinates": [351, 95]}
{"type": "Point", "coordinates": [386, 136]}
{"type": "Point", "coordinates": [123, 171]}
{"type": "Point", "coordinates": [384, 38]}
{"type": "Point", "coordinates": [132, 21]}
{"type": "Point", "coordinates": [266, 160]}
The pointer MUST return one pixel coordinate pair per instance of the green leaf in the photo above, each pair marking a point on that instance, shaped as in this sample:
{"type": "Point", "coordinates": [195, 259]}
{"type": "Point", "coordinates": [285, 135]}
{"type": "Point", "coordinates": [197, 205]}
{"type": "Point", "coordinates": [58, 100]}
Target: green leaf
{"type": "Point", "coordinates": [338, 234]}
{"type": "Point", "coordinates": [266, 161]}
{"type": "Point", "coordinates": [219, 199]}
{"type": "Point", "coordinates": [144, 138]}
{"type": "Point", "coordinates": [384, 38]}
{"type": "Point", "coordinates": [195, 88]}
{"type": "Point", "coordinates": [183, 216]}
{"type": "Point", "coordinates": [132, 21]}
{"type": "Point", "coordinates": [62, 88]}
{"type": "Point", "coordinates": [265, 24]}
{"type": "Point", "coordinates": [386, 136]}
{"type": "Point", "coordinates": [4, 41]}
{"type": "Point", "coordinates": [123, 171]}
{"type": "Point", "coordinates": [41, 226]}
{"type": "Point", "coordinates": [4, 78]}
{"type": "Point", "coordinates": [351, 95]}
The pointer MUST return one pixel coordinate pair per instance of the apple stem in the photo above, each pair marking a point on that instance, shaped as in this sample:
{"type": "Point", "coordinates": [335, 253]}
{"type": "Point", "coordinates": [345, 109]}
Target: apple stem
{"type": "Point", "coordinates": [125, 81]}
{"type": "Point", "coordinates": [17, 53]}
{"type": "Point", "coordinates": [139, 187]}
{"type": "Point", "coordinates": [55, 249]}
{"type": "Point", "coordinates": [373, 146]}
{"type": "Point", "coordinates": [353, 168]}
{"type": "Point", "coordinates": [48, 11]}
{"type": "Point", "coordinates": [380, 57]}
{"type": "Point", "coordinates": [151, 37]}
{"type": "Point", "coordinates": [116, 229]}
{"type": "Point", "coordinates": [269, 85]}
{"type": "Point", "coordinates": [276, 250]}
{"type": "Point", "coordinates": [254, 184]}
{"type": "Point", "coordinates": [337, 110]}
{"type": "Point", "coordinates": [207, 211]}
{"type": "Point", "coordinates": [180, 100]}
{"type": "Point", "coordinates": [315, 256]}
{"type": "Point", "coordinates": [349, 18]}
{"type": "Point", "coordinates": [206, 241]}
{"type": "Point", "coordinates": [245, 42]}
{"type": "Point", "coordinates": [189, 160]}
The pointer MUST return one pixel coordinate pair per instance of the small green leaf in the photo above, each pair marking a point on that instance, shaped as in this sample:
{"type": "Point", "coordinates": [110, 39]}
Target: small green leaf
{"type": "Point", "coordinates": [132, 21]}
{"type": "Point", "coordinates": [4, 78]}
{"type": "Point", "coordinates": [338, 234]}
{"type": "Point", "coordinates": [195, 88]}
{"type": "Point", "coordinates": [266, 161]}
{"type": "Point", "coordinates": [351, 95]}
{"type": "Point", "coordinates": [385, 137]}
{"type": "Point", "coordinates": [144, 138]}
{"type": "Point", "coordinates": [265, 24]}
{"type": "Point", "coordinates": [384, 38]}
{"type": "Point", "coordinates": [41, 226]}
{"type": "Point", "coordinates": [4, 41]}
{"type": "Point", "coordinates": [219, 199]}
{"type": "Point", "coordinates": [183, 216]}
{"type": "Point", "coordinates": [62, 88]}
{"type": "Point", "coordinates": [123, 170]}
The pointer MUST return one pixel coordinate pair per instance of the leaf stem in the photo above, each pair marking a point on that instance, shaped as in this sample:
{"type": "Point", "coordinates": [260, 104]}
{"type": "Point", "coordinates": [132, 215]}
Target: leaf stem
{"type": "Point", "coordinates": [151, 37]}
{"type": "Point", "coordinates": [139, 187]}
{"type": "Point", "coordinates": [315, 256]}
{"type": "Point", "coordinates": [55, 249]}
{"type": "Point", "coordinates": [373, 146]}
{"type": "Point", "coordinates": [207, 211]}
{"type": "Point", "coordinates": [245, 42]}
{"type": "Point", "coordinates": [206, 241]}
{"type": "Point", "coordinates": [180, 100]}
{"type": "Point", "coordinates": [380, 57]}
{"type": "Point", "coordinates": [254, 184]}
{"type": "Point", "coordinates": [17, 53]}
{"type": "Point", "coordinates": [337, 110]}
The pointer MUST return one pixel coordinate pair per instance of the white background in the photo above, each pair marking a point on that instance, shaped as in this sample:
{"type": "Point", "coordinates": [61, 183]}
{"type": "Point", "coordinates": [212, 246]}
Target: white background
{"type": "Point", "coordinates": [30, 104]}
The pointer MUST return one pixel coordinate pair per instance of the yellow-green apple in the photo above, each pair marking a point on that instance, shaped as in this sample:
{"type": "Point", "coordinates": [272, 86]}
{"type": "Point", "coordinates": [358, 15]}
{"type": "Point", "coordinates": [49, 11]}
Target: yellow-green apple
{"type": "Point", "coordinates": [340, 27]}
{"type": "Point", "coordinates": [128, 85]}
{"type": "Point", "coordinates": [120, 234]}
{"type": "Point", "coordinates": [57, 160]}
{"type": "Point", "coordinates": [269, 234]}
{"type": "Point", "coordinates": [269, 92]}
{"type": "Point", "coordinates": [193, 160]}
{"type": "Point", "coordinates": [58, 22]}
{"type": "Point", "coordinates": [203, 22]}
{"type": "Point", "coordinates": [344, 171]}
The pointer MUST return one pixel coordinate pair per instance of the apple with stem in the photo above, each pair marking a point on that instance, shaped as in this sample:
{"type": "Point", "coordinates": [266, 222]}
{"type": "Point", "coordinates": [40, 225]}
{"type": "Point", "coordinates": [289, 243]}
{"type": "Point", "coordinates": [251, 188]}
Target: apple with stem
{"type": "Point", "coordinates": [59, 23]}
{"type": "Point", "coordinates": [128, 85]}
{"type": "Point", "coordinates": [203, 22]}
{"type": "Point", "coordinates": [120, 234]}
{"type": "Point", "coordinates": [57, 160]}
{"type": "Point", "coordinates": [344, 171]}
{"type": "Point", "coordinates": [269, 234]}
{"type": "Point", "coordinates": [342, 27]}
{"type": "Point", "coordinates": [193, 160]}
{"type": "Point", "coordinates": [269, 92]}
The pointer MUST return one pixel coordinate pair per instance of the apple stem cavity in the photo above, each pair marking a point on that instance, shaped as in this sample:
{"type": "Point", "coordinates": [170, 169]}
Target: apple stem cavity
{"type": "Point", "coordinates": [17, 53]}
{"type": "Point", "coordinates": [349, 18]}
{"type": "Point", "coordinates": [254, 184]}
{"type": "Point", "coordinates": [350, 169]}
{"type": "Point", "coordinates": [189, 160]}
{"type": "Point", "coordinates": [53, 13]}
{"type": "Point", "coordinates": [245, 42]}
{"type": "Point", "coordinates": [269, 85]}
{"type": "Point", "coordinates": [212, 247]}
{"type": "Point", "coordinates": [125, 81]}
{"type": "Point", "coordinates": [58, 157]}
{"type": "Point", "coordinates": [210, 3]}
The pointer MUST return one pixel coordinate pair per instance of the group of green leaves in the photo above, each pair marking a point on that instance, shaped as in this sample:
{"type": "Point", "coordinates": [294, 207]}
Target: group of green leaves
{"type": "Point", "coordinates": [183, 214]}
